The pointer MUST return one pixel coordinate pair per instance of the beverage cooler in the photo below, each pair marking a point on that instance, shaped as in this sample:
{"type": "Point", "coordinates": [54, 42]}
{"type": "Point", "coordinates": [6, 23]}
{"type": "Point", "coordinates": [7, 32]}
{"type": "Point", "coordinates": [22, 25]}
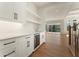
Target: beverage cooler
{"type": "Point", "coordinates": [74, 38]}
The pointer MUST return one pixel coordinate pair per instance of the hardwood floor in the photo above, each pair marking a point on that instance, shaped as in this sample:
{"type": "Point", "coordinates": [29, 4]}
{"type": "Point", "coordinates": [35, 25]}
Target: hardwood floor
{"type": "Point", "coordinates": [52, 48]}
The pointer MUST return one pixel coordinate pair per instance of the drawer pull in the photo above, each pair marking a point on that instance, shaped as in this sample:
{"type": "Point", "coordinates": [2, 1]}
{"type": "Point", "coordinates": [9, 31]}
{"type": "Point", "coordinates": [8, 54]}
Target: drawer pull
{"type": "Point", "coordinates": [9, 43]}
{"type": "Point", "coordinates": [9, 53]}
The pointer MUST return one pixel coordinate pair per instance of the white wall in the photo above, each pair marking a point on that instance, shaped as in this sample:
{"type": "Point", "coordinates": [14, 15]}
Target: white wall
{"type": "Point", "coordinates": [10, 29]}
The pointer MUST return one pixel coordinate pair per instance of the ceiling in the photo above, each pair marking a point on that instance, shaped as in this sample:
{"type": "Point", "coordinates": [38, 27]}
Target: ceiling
{"type": "Point", "coordinates": [55, 10]}
{"type": "Point", "coordinates": [40, 4]}
{"type": "Point", "coordinates": [46, 4]}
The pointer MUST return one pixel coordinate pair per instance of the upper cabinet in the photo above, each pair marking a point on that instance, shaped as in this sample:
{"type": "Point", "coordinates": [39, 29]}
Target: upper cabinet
{"type": "Point", "coordinates": [6, 10]}
{"type": "Point", "coordinates": [19, 12]}
{"type": "Point", "coordinates": [12, 11]}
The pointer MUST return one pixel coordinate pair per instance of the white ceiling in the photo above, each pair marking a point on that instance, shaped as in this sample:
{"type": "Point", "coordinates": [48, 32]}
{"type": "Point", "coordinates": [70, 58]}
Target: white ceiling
{"type": "Point", "coordinates": [55, 10]}
{"type": "Point", "coordinates": [40, 4]}
{"type": "Point", "coordinates": [46, 4]}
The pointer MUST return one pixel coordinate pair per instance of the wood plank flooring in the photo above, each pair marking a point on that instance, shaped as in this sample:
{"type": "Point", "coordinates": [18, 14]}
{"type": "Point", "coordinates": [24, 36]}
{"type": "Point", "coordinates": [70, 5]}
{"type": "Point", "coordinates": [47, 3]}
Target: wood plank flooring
{"type": "Point", "coordinates": [52, 48]}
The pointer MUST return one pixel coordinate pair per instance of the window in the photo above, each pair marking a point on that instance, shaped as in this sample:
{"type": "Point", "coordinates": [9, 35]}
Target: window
{"type": "Point", "coordinates": [53, 28]}
{"type": "Point", "coordinates": [56, 28]}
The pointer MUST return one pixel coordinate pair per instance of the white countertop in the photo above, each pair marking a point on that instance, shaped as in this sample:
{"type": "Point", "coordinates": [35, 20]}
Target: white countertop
{"type": "Point", "coordinates": [5, 36]}
{"type": "Point", "coordinates": [11, 35]}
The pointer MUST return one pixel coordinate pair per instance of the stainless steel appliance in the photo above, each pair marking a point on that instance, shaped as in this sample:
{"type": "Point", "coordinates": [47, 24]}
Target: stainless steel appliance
{"type": "Point", "coordinates": [74, 38]}
{"type": "Point", "coordinates": [36, 40]}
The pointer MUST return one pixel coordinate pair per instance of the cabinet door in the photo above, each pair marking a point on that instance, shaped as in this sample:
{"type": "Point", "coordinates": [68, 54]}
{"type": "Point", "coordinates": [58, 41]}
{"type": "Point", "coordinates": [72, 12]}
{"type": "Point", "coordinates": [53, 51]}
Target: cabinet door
{"type": "Point", "coordinates": [6, 10]}
{"type": "Point", "coordinates": [30, 46]}
{"type": "Point", "coordinates": [20, 46]}
{"type": "Point", "coordinates": [20, 11]}
{"type": "Point", "coordinates": [7, 43]}
{"type": "Point", "coordinates": [13, 11]}
{"type": "Point", "coordinates": [25, 46]}
{"type": "Point", "coordinates": [42, 38]}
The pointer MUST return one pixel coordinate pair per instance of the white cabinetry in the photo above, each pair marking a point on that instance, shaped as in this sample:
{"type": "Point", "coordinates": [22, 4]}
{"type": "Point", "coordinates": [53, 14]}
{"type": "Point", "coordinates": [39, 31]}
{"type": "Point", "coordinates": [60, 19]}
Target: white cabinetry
{"type": "Point", "coordinates": [20, 46]}
{"type": "Point", "coordinates": [12, 11]}
{"type": "Point", "coordinates": [42, 37]}
{"type": "Point", "coordinates": [17, 47]}
{"type": "Point", "coordinates": [6, 10]}
{"type": "Point", "coordinates": [20, 11]}
{"type": "Point", "coordinates": [29, 45]}
{"type": "Point", "coordinates": [7, 48]}
{"type": "Point", "coordinates": [25, 46]}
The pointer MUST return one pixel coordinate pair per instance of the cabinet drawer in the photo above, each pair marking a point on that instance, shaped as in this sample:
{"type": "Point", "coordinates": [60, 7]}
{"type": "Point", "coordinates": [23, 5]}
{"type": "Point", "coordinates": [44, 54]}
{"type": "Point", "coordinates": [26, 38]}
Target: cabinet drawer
{"type": "Point", "coordinates": [7, 43]}
{"type": "Point", "coordinates": [7, 51]}
{"type": "Point", "coordinates": [25, 40]}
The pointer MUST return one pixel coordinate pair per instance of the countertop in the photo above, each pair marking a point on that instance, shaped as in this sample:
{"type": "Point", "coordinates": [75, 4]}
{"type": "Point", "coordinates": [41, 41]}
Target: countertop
{"type": "Point", "coordinates": [11, 35]}
{"type": "Point", "coordinates": [5, 36]}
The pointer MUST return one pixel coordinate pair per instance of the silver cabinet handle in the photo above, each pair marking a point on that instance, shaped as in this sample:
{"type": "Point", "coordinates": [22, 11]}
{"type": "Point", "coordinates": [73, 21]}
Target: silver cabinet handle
{"type": "Point", "coordinates": [28, 43]}
{"type": "Point", "coordinates": [9, 53]}
{"type": "Point", "coordinates": [9, 43]}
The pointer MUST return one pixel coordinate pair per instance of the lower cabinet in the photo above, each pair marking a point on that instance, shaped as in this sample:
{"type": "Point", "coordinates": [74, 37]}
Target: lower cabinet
{"type": "Point", "coordinates": [42, 37]}
{"type": "Point", "coordinates": [29, 46]}
{"type": "Point", "coordinates": [8, 48]}
{"type": "Point", "coordinates": [25, 46]}
{"type": "Point", "coordinates": [17, 47]}
{"type": "Point", "coordinates": [8, 52]}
